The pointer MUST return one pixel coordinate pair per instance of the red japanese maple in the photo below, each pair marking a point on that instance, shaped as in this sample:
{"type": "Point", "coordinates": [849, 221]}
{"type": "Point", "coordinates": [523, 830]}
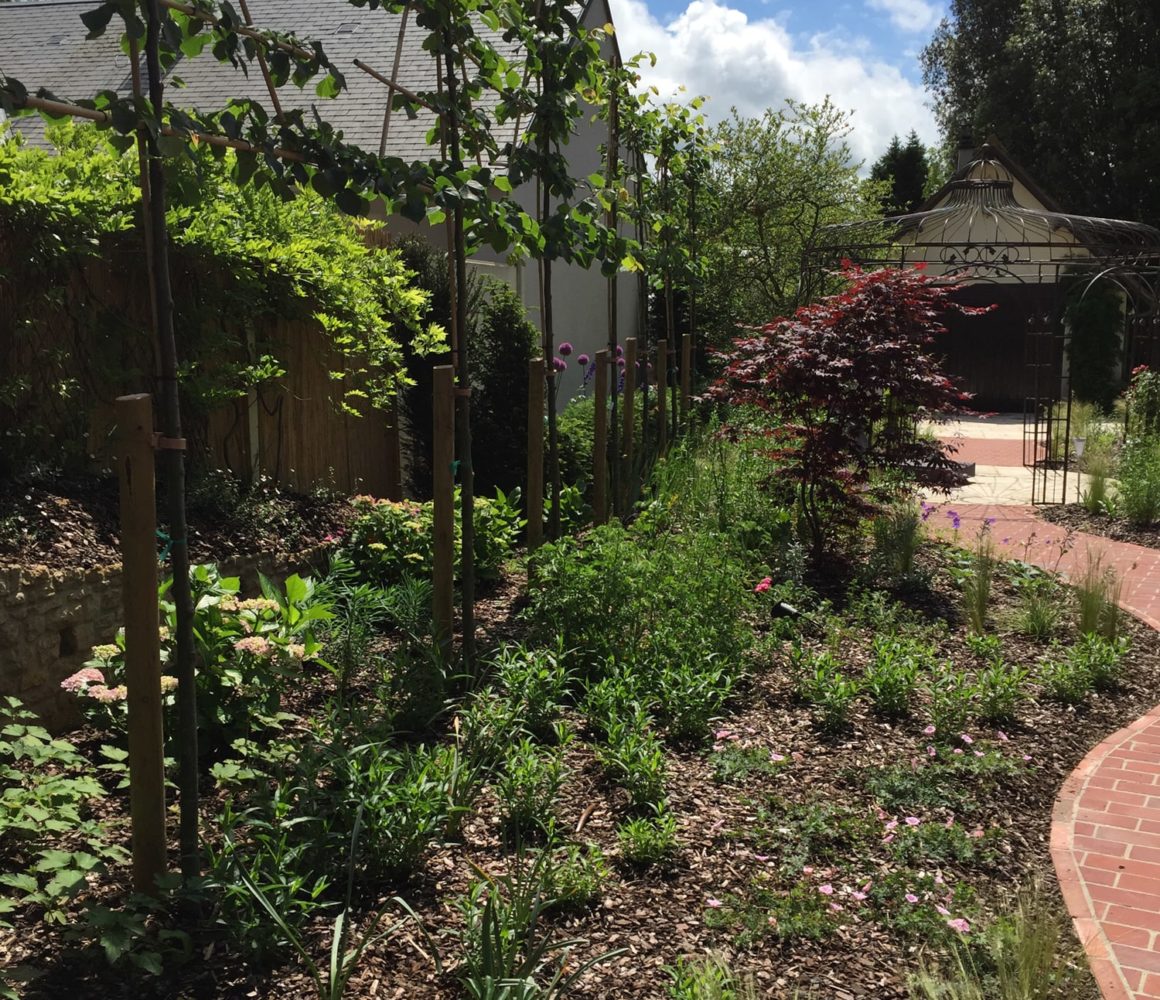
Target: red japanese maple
{"type": "Point", "coordinates": [845, 381]}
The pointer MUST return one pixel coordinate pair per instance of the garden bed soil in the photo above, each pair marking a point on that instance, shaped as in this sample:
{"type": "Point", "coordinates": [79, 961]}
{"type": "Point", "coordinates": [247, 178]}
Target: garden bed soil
{"type": "Point", "coordinates": [1074, 517]}
{"type": "Point", "coordinates": [657, 915]}
{"type": "Point", "coordinates": [64, 523]}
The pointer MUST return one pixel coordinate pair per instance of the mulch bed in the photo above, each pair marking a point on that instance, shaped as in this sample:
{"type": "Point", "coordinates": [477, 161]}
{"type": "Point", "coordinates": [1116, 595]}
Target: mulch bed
{"type": "Point", "coordinates": [64, 523]}
{"type": "Point", "coordinates": [1075, 518]}
{"type": "Point", "coordinates": [659, 914]}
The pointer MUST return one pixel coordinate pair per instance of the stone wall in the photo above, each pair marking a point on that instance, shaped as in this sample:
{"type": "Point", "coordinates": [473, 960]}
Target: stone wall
{"type": "Point", "coordinates": [50, 620]}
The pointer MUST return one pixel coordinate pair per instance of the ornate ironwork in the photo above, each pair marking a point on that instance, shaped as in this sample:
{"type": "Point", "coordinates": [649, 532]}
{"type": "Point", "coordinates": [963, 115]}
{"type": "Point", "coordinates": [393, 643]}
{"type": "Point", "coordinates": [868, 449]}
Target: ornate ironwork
{"type": "Point", "coordinates": [979, 232]}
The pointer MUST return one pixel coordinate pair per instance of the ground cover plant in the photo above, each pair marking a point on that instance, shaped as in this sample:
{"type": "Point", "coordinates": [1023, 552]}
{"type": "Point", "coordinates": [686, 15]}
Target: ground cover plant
{"type": "Point", "coordinates": [657, 756]}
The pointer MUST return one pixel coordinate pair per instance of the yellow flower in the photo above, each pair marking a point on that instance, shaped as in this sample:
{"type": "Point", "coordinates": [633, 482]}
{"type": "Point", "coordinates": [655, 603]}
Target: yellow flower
{"type": "Point", "coordinates": [105, 652]}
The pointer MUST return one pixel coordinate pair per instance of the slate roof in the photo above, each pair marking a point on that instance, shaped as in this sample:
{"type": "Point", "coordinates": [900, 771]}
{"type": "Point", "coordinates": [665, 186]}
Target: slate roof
{"type": "Point", "coordinates": [43, 44]}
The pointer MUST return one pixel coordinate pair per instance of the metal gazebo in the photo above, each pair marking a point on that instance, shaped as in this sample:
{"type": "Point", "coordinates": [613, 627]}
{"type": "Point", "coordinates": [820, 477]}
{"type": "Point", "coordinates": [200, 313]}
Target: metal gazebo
{"type": "Point", "coordinates": [1030, 262]}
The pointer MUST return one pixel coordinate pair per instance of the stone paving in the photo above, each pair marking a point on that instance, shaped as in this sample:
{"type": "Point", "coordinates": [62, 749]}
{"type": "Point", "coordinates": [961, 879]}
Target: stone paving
{"type": "Point", "coordinates": [1105, 833]}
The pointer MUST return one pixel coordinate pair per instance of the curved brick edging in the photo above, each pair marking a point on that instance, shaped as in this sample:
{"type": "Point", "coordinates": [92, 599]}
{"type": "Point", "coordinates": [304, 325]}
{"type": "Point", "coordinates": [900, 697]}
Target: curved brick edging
{"type": "Point", "coordinates": [1105, 842]}
{"type": "Point", "coordinates": [1105, 829]}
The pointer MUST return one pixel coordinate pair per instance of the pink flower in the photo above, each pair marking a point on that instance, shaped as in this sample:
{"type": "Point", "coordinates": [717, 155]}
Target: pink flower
{"type": "Point", "coordinates": [82, 679]}
{"type": "Point", "coordinates": [943, 911]}
{"type": "Point", "coordinates": [959, 924]}
{"type": "Point", "coordinates": [107, 694]}
{"type": "Point", "coordinates": [826, 890]}
{"type": "Point", "coordinates": [892, 824]}
{"type": "Point", "coordinates": [929, 731]}
{"type": "Point", "coordinates": [911, 897]}
{"type": "Point", "coordinates": [761, 857]}
{"type": "Point", "coordinates": [255, 645]}
{"type": "Point", "coordinates": [1002, 737]}
{"type": "Point", "coordinates": [958, 752]}
{"type": "Point", "coordinates": [836, 907]}
{"type": "Point", "coordinates": [763, 586]}
{"type": "Point", "coordinates": [1027, 756]}
{"type": "Point", "coordinates": [776, 758]}
{"type": "Point", "coordinates": [888, 838]}
{"type": "Point", "coordinates": [859, 896]}
{"type": "Point", "coordinates": [967, 738]}
{"type": "Point", "coordinates": [808, 870]}
{"type": "Point", "coordinates": [979, 753]}
{"type": "Point", "coordinates": [715, 904]}
{"type": "Point", "coordinates": [975, 834]}
{"type": "Point", "coordinates": [930, 751]}
{"type": "Point", "coordinates": [912, 821]}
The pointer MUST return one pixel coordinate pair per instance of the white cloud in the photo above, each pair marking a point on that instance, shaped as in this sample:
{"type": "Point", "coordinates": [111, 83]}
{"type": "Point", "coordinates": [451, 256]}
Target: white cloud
{"type": "Point", "coordinates": [756, 63]}
{"type": "Point", "coordinates": [909, 15]}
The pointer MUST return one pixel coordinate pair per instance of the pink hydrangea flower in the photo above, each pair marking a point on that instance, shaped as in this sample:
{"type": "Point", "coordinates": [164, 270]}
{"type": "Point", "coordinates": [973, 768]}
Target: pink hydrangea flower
{"type": "Point", "coordinates": [82, 678]}
{"type": "Point", "coordinates": [105, 694]}
{"type": "Point", "coordinates": [255, 645]}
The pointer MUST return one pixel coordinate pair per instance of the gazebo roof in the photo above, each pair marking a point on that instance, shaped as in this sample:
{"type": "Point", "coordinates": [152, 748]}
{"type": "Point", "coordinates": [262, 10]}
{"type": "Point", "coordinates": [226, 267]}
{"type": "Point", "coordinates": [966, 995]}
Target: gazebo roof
{"type": "Point", "coordinates": [976, 219]}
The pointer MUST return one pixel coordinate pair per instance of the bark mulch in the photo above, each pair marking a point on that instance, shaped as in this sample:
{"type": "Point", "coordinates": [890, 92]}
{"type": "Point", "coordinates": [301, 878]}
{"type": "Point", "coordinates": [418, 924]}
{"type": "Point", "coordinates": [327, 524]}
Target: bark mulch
{"type": "Point", "coordinates": [657, 915]}
{"type": "Point", "coordinates": [74, 523]}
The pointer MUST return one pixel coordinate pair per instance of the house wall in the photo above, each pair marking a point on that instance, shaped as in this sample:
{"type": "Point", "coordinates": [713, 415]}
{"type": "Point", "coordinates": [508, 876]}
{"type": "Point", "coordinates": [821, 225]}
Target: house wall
{"type": "Point", "coordinates": [579, 295]}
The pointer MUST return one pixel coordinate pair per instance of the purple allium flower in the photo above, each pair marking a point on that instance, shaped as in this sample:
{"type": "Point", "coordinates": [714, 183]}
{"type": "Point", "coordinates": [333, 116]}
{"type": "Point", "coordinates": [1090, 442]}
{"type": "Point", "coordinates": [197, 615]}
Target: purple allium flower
{"type": "Point", "coordinates": [583, 359]}
{"type": "Point", "coordinates": [621, 363]}
{"type": "Point", "coordinates": [565, 349]}
{"type": "Point", "coordinates": [559, 364]}
{"type": "Point", "coordinates": [619, 351]}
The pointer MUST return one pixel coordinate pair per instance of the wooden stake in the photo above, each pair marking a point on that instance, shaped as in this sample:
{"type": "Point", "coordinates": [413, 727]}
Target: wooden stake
{"type": "Point", "coordinates": [686, 374]}
{"type": "Point", "coordinates": [135, 470]}
{"type": "Point", "coordinates": [600, 442]}
{"type": "Point", "coordinates": [628, 397]}
{"type": "Point", "coordinates": [535, 495]}
{"type": "Point", "coordinates": [662, 385]}
{"type": "Point", "coordinates": [444, 512]}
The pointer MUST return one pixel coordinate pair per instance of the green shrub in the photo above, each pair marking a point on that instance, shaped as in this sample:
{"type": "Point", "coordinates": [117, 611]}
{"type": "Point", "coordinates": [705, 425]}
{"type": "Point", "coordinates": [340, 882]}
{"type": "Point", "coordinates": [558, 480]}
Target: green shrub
{"type": "Point", "coordinates": [689, 693]}
{"type": "Point", "coordinates": [248, 651]}
{"type": "Point", "coordinates": [634, 759]}
{"type": "Point", "coordinates": [576, 876]}
{"type": "Point", "coordinates": [615, 596]}
{"type": "Point", "coordinates": [503, 342]}
{"type": "Point", "coordinates": [392, 540]}
{"type": "Point", "coordinates": [819, 681]}
{"type": "Point", "coordinates": [892, 676]}
{"type": "Point", "coordinates": [1100, 659]}
{"type": "Point", "coordinates": [1039, 608]}
{"type": "Point", "coordinates": [999, 690]}
{"type": "Point", "coordinates": [1139, 481]}
{"type": "Point", "coordinates": [952, 701]}
{"type": "Point", "coordinates": [536, 681]}
{"type": "Point", "coordinates": [528, 786]}
{"type": "Point", "coordinates": [49, 842]}
{"type": "Point", "coordinates": [648, 840]}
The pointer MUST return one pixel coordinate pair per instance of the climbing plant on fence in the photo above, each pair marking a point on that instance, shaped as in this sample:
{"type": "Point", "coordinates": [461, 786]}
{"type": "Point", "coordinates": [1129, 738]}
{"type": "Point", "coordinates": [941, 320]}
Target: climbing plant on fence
{"type": "Point", "coordinates": [245, 256]}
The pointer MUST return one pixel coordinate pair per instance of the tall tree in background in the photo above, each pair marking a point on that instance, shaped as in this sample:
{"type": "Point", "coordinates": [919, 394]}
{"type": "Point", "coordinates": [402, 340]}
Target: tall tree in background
{"type": "Point", "coordinates": [774, 181]}
{"type": "Point", "coordinates": [904, 169]}
{"type": "Point", "coordinates": [1071, 87]}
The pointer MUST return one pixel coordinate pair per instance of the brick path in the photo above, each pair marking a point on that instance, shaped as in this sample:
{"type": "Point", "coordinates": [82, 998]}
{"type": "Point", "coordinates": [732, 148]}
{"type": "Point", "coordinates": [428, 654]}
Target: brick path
{"type": "Point", "coordinates": [1105, 831]}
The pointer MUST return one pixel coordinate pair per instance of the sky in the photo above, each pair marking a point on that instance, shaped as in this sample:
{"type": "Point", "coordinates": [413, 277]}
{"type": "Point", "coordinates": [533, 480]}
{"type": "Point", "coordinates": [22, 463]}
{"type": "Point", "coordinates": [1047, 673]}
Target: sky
{"type": "Point", "coordinates": [753, 54]}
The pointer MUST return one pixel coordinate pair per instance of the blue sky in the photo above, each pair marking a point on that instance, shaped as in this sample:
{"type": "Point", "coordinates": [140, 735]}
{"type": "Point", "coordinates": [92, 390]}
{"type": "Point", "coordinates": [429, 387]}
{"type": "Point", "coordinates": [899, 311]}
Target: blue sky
{"type": "Point", "coordinates": [753, 54]}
